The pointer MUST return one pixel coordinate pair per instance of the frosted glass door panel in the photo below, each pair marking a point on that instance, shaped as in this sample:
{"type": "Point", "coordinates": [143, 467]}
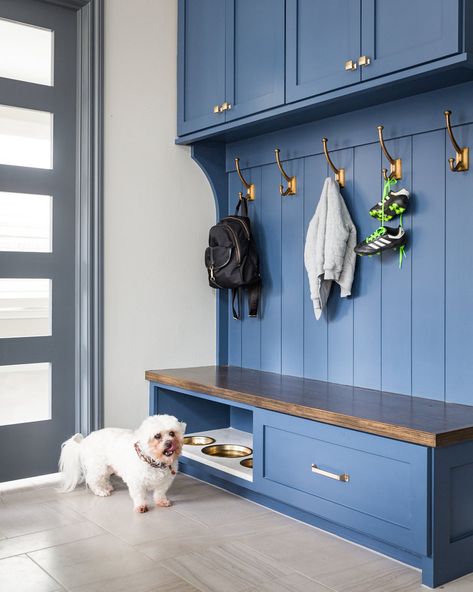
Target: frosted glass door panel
{"type": "Point", "coordinates": [26, 52]}
{"type": "Point", "coordinates": [25, 307]}
{"type": "Point", "coordinates": [25, 222]}
{"type": "Point", "coordinates": [25, 393]}
{"type": "Point", "coordinates": [26, 137]}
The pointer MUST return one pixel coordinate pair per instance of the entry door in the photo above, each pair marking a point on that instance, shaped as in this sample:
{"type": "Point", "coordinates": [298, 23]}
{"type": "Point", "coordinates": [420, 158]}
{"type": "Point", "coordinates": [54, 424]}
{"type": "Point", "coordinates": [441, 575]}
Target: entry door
{"type": "Point", "coordinates": [37, 234]}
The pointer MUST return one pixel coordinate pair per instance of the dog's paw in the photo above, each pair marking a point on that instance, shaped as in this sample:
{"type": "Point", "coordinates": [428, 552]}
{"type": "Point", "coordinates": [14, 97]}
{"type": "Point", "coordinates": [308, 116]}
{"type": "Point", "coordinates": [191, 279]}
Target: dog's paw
{"type": "Point", "coordinates": [141, 509]}
{"type": "Point", "coordinates": [102, 492]}
{"type": "Point", "coordinates": [163, 503]}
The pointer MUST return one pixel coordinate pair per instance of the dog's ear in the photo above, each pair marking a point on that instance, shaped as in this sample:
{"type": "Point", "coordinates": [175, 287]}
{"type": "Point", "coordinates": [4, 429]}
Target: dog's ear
{"type": "Point", "coordinates": [182, 426]}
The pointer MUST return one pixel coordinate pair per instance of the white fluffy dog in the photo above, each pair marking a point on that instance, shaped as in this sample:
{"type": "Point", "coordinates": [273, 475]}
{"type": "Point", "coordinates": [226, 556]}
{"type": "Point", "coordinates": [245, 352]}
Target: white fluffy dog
{"type": "Point", "coordinates": [146, 459]}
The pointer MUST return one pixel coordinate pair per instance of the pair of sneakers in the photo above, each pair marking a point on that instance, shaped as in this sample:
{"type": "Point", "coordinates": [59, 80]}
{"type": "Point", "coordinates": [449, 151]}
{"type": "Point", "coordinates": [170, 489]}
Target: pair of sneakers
{"type": "Point", "coordinates": [394, 204]}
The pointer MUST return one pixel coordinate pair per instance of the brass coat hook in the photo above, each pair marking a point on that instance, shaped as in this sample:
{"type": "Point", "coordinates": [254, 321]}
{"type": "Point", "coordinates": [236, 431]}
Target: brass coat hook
{"type": "Point", "coordinates": [250, 187]}
{"type": "Point", "coordinates": [339, 173]}
{"type": "Point", "coordinates": [291, 181]}
{"type": "Point", "coordinates": [395, 165]}
{"type": "Point", "coordinates": [462, 155]}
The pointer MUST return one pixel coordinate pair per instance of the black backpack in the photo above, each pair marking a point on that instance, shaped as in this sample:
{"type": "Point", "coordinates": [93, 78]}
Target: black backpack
{"type": "Point", "coordinates": [232, 261]}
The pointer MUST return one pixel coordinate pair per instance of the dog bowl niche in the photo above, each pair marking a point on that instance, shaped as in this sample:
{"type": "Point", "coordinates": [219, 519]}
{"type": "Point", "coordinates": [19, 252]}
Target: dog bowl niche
{"type": "Point", "coordinates": [227, 450]}
{"type": "Point", "coordinates": [247, 462]}
{"type": "Point", "coordinates": [198, 440]}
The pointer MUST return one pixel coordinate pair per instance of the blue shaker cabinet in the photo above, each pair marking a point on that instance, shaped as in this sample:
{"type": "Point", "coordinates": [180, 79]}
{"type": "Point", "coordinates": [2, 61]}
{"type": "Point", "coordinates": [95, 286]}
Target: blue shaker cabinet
{"type": "Point", "coordinates": [231, 60]}
{"type": "Point", "coordinates": [331, 45]}
{"type": "Point", "coordinates": [255, 56]}
{"type": "Point", "coordinates": [402, 34]}
{"type": "Point", "coordinates": [321, 39]}
{"type": "Point", "coordinates": [201, 64]}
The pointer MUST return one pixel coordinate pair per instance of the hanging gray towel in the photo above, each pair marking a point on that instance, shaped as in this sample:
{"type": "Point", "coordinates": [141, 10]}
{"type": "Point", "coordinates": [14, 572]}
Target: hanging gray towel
{"type": "Point", "coordinates": [329, 254]}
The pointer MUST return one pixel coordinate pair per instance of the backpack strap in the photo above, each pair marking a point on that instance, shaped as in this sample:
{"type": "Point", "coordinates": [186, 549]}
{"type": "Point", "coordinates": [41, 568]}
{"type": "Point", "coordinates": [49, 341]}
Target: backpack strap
{"type": "Point", "coordinates": [254, 295]}
{"type": "Point", "coordinates": [243, 203]}
{"type": "Point", "coordinates": [236, 300]}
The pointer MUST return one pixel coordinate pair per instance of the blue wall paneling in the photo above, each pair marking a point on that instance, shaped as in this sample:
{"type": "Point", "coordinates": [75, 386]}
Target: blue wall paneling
{"type": "Point", "coordinates": [404, 330]}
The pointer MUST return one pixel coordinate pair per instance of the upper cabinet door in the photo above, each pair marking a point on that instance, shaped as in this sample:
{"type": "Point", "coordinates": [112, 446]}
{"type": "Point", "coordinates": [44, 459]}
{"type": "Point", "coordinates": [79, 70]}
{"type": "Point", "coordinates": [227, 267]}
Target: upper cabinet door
{"type": "Point", "coordinates": [255, 56]}
{"type": "Point", "coordinates": [322, 37]}
{"type": "Point", "coordinates": [201, 64]}
{"type": "Point", "coordinates": [405, 33]}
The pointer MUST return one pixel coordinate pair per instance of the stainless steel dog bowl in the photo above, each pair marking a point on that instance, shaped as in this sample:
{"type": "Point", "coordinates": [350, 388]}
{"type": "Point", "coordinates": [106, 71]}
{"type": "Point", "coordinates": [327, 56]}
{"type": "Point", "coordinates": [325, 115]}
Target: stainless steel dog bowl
{"type": "Point", "coordinates": [198, 440]}
{"type": "Point", "coordinates": [247, 462]}
{"type": "Point", "coordinates": [227, 450]}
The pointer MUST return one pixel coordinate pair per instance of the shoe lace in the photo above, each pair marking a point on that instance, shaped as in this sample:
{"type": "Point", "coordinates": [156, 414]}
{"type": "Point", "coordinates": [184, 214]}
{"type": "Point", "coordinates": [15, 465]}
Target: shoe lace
{"type": "Point", "coordinates": [386, 189]}
{"type": "Point", "coordinates": [376, 234]}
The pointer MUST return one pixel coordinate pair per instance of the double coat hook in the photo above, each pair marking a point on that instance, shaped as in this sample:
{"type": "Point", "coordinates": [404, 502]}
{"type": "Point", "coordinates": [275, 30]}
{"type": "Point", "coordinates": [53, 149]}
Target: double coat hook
{"type": "Point", "coordinates": [339, 173]}
{"type": "Point", "coordinates": [395, 165]}
{"type": "Point", "coordinates": [461, 162]}
{"type": "Point", "coordinates": [291, 181]}
{"type": "Point", "coordinates": [250, 187]}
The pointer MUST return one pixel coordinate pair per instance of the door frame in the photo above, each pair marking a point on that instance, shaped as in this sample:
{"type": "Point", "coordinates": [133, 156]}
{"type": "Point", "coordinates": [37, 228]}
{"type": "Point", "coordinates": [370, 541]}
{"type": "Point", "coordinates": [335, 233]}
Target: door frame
{"type": "Point", "coordinates": [89, 212]}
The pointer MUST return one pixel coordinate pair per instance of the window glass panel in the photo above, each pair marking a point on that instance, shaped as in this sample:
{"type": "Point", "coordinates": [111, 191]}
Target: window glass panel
{"type": "Point", "coordinates": [26, 137]}
{"type": "Point", "coordinates": [25, 307]}
{"type": "Point", "coordinates": [25, 393]}
{"type": "Point", "coordinates": [26, 52]}
{"type": "Point", "coordinates": [25, 222]}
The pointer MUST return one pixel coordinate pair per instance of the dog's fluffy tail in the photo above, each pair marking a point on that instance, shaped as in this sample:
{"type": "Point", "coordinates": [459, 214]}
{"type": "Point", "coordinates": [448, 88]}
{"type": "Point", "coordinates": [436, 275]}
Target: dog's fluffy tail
{"type": "Point", "coordinates": [70, 463]}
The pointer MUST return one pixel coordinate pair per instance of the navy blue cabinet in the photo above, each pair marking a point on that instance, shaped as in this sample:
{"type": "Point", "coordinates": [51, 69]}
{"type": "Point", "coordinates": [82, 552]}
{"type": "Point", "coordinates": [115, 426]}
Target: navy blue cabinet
{"type": "Point", "coordinates": [201, 64]}
{"type": "Point", "coordinates": [373, 485]}
{"type": "Point", "coordinates": [323, 44]}
{"type": "Point", "coordinates": [231, 60]}
{"type": "Point", "coordinates": [331, 45]}
{"type": "Point", "coordinates": [402, 34]}
{"type": "Point", "coordinates": [255, 56]}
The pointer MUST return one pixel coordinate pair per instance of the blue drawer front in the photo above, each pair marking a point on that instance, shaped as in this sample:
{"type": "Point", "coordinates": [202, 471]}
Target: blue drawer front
{"type": "Point", "coordinates": [385, 496]}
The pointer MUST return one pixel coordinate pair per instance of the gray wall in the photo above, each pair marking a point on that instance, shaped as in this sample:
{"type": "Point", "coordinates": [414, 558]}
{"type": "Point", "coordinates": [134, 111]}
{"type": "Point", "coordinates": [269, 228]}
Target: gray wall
{"type": "Point", "coordinates": [159, 310]}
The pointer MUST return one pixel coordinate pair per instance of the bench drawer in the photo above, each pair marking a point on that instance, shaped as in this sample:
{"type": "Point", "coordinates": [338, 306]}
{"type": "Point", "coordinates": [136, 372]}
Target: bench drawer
{"type": "Point", "coordinates": [371, 484]}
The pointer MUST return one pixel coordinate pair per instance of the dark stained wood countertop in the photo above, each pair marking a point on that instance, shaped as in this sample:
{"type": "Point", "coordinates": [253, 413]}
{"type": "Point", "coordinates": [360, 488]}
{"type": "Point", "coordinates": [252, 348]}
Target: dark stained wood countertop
{"type": "Point", "coordinates": [412, 419]}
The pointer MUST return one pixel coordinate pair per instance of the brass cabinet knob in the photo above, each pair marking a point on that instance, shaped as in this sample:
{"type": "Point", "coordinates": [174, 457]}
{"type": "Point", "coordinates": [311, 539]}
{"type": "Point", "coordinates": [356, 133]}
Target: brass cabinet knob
{"type": "Point", "coordinates": [217, 108]}
{"type": "Point", "coordinates": [351, 65]}
{"type": "Point", "coordinates": [225, 106]}
{"type": "Point", "coordinates": [364, 61]}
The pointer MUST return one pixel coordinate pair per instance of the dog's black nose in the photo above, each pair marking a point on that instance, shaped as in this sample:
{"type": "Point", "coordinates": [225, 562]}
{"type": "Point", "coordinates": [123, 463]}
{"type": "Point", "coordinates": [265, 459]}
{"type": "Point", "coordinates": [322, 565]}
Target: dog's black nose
{"type": "Point", "coordinates": [168, 444]}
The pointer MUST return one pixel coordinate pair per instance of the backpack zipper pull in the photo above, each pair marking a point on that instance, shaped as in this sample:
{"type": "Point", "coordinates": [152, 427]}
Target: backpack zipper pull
{"type": "Point", "coordinates": [212, 277]}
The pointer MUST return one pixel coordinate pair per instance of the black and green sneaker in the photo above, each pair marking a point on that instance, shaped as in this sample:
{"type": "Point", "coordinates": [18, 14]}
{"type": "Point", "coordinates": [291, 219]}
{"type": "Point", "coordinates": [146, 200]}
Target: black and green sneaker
{"type": "Point", "coordinates": [395, 204]}
{"type": "Point", "coordinates": [382, 239]}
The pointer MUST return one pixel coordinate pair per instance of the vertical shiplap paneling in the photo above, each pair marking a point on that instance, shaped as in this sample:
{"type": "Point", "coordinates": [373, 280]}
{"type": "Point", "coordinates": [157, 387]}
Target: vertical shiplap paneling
{"type": "Point", "coordinates": [459, 276]}
{"type": "Point", "coordinates": [396, 292]}
{"type": "Point", "coordinates": [269, 239]}
{"type": "Point", "coordinates": [340, 310]}
{"type": "Point", "coordinates": [234, 329]}
{"type": "Point", "coordinates": [367, 285]}
{"type": "Point", "coordinates": [250, 327]}
{"type": "Point", "coordinates": [427, 253]}
{"type": "Point", "coordinates": [292, 212]}
{"type": "Point", "coordinates": [315, 332]}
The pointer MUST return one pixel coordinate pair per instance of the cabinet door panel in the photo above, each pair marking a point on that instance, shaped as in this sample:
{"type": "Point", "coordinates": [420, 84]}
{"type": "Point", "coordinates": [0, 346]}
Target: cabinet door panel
{"type": "Point", "coordinates": [402, 34]}
{"type": "Point", "coordinates": [320, 37]}
{"type": "Point", "coordinates": [201, 64]}
{"type": "Point", "coordinates": [255, 56]}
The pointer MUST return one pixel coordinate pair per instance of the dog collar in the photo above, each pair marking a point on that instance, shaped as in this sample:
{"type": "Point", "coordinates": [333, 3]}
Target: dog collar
{"type": "Point", "coordinates": [154, 463]}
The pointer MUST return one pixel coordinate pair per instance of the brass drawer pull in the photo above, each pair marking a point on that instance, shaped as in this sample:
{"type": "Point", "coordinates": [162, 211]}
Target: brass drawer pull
{"type": "Point", "coordinates": [217, 109]}
{"type": "Point", "coordinates": [343, 477]}
{"type": "Point", "coordinates": [364, 61]}
{"type": "Point", "coordinates": [350, 65]}
{"type": "Point", "coordinates": [225, 106]}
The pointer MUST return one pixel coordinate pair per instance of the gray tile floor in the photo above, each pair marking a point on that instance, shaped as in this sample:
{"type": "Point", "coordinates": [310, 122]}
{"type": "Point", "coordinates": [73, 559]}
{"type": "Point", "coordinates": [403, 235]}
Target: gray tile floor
{"type": "Point", "coordinates": [209, 541]}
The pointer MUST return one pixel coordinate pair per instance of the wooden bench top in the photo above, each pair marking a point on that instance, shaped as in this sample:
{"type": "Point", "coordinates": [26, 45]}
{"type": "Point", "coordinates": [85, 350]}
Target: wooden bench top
{"type": "Point", "coordinates": [411, 419]}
